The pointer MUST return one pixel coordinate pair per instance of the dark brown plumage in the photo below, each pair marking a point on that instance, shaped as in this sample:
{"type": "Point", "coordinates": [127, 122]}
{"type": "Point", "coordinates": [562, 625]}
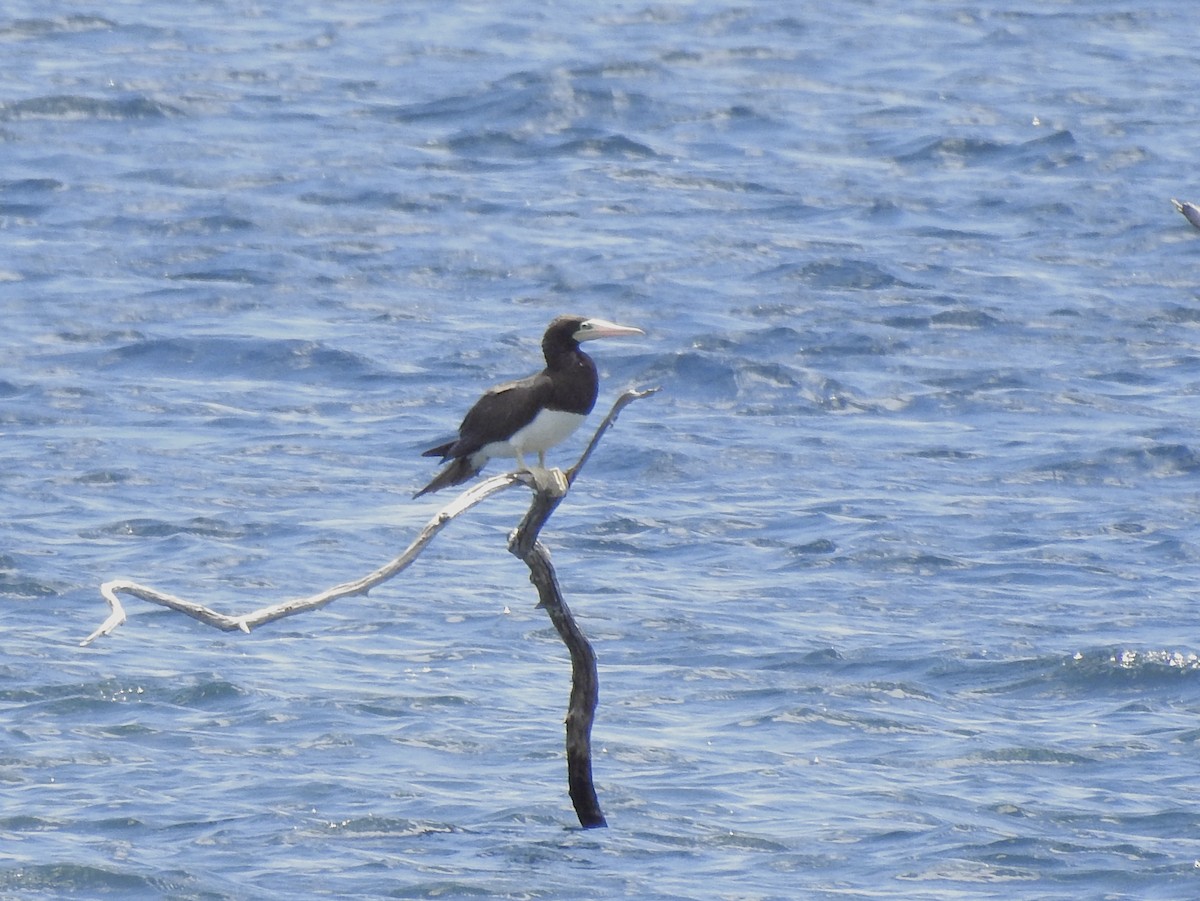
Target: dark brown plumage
{"type": "Point", "coordinates": [532, 414]}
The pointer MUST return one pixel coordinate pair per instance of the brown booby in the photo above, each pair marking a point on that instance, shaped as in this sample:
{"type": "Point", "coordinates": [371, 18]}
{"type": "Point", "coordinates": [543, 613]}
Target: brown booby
{"type": "Point", "coordinates": [531, 414]}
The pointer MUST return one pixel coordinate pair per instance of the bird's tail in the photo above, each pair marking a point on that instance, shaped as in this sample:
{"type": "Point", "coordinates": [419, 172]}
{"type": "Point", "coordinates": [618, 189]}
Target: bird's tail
{"type": "Point", "coordinates": [442, 450]}
{"type": "Point", "coordinates": [454, 474]}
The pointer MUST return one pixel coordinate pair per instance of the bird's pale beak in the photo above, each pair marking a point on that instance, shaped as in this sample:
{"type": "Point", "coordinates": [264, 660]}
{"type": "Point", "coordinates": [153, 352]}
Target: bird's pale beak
{"type": "Point", "coordinates": [602, 328]}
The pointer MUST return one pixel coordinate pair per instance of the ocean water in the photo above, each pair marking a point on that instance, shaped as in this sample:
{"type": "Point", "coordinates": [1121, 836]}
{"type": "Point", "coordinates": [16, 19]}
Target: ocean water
{"type": "Point", "coordinates": [892, 586]}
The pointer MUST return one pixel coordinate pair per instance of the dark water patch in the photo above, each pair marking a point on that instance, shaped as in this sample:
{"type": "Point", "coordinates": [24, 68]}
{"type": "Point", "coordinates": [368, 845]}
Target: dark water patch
{"type": "Point", "coordinates": [769, 376]}
{"type": "Point", "coordinates": [57, 691]}
{"type": "Point", "coordinates": [491, 103]}
{"type": "Point", "coordinates": [533, 96]}
{"type": "Point", "coordinates": [502, 119]}
{"type": "Point", "coordinates": [626, 526]}
{"type": "Point", "coordinates": [983, 381]}
{"type": "Point", "coordinates": [80, 880]}
{"type": "Point", "coordinates": [43, 28]}
{"type": "Point", "coordinates": [20, 211]}
{"type": "Point", "coordinates": [1008, 859]}
{"type": "Point", "coordinates": [215, 224]}
{"type": "Point", "coordinates": [213, 692]}
{"type": "Point", "coordinates": [1052, 151]}
{"type": "Point", "coordinates": [193, 224]}
{"type": "Point", "coordinates": [846, 273]}
{"type": "Point", "coordinates": [1119, 463]}
{"type": "Point", "coordinates": [101, 335]}
{"type": "Point", "coordinates": [823, 717]}
{"type": "Point", "coordinates": [102, 704]}
{"type": "Point", "coordinates": [886, 212]}
{"type": "Point", "coordinates": [942, 233]}
{"type": "Point", "coordinates": [493, 143]}
{"type": "Point", "coordinates": [965, 319]}
{"type": "Point", "coordinates": [689, 181]}
{"type": "Point", "coordinates": [70, 107]}
{"type": "Point", "coordinates": [203, 527]}
{"type": "Point", "coordinates": [1178, 315]}
{"type": "Point", "coordinates": [1030, 755]}
{"type": "Point", "coordinates": [25, 198]}
{"type": "Point", "coordinates": [743, 119]}
{"type": "Point", "coordinates": [910, 563]}
{"type": "Point", "coordinates": [15, 585]}
{"type": "Point", "coordinates": [787, 661]}
{"type": "Point", "coordinates": [444, 888]}
{"type": "Point", "coordinates": [699, 373]}
{"type": "Point", "coordinates": [946, 319]}
{"type": "Point", "coordinates": [374, 199]}
{"type": "Point", "coordinates": [168, 177]}
{"type": "Point", "coordinates": [1082, 674]}
{"type": "Point", "coordinates": [104, 477]}
{"type": "Point", "coordinates": [614, 147]}
{"type": "Point", "coordinates": [1139, 666]}
{"type": "Point", "coordinates": [777, 346]}
{"type": "Point", "coordinates": [779, 337]}
{"type": "Point", "coordinates": [415, 704]}
{"type": "Point", "coordinates": [234, 275]}
{"type": "Point", "coordinates": [1124, 377]}
{"type": "Point", "coordinates": [948, 454]}
{"type": "Point", "coordinates": [123, 730]}
{"type": "Point", "coordinates": [28, 823]}
{"type": "Point", "coordinates": [392, 827]}
{"type": "Point", "coordinates": [817, 547]}
{"type": "Point", "coordinates": [239, 358]}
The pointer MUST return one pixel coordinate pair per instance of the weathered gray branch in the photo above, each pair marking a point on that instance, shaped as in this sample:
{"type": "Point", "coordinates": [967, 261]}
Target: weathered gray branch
{"type": "Point", "coordinates": [247, 621]}
{"type": "Point", "coordinates": [549, 488]}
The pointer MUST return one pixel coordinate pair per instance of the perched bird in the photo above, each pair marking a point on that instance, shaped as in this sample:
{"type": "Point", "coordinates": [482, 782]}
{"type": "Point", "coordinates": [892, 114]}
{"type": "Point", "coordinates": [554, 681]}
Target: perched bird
{"type": "Point", "coordinates": [1190, 211]}
{"type": "Point", "coordinates": [532, 414]}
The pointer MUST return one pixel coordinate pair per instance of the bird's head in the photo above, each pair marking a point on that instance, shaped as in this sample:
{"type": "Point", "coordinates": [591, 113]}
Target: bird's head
{"type": "Point", "coordinates": [566, 332]}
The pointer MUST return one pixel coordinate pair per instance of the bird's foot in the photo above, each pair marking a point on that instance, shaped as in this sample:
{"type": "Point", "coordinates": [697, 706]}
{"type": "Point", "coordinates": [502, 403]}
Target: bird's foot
{"type": "Point", "coordinates": [550, 481]}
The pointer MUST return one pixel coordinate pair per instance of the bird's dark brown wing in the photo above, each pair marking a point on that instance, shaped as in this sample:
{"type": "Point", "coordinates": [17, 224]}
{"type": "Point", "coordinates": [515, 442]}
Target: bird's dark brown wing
{"type": "Point", "coordinates": [500, 412]}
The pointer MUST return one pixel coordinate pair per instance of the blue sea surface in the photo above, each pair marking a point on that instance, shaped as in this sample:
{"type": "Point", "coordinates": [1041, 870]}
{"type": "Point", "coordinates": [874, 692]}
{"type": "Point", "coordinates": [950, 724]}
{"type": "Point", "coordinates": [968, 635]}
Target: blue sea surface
{"type": "Point", "coordinates": [892, 586]}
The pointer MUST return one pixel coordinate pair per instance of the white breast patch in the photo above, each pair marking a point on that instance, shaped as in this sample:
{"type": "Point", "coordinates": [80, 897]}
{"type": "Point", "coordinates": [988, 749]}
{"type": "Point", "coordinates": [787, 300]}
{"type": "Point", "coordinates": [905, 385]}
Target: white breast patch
{"type": "Point", "coordinates": [549, 427]}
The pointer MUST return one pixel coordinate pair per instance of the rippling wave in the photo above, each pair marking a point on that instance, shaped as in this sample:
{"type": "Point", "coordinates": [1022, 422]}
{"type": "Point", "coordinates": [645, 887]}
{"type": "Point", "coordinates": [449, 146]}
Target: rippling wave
{"type": "Point", "coordinates": [890, 585]}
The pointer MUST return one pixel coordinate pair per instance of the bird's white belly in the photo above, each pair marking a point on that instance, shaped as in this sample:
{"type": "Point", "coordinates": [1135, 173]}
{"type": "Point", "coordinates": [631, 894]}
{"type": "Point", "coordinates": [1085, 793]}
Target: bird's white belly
{"type": "Point", "coordinates": [549, 427]}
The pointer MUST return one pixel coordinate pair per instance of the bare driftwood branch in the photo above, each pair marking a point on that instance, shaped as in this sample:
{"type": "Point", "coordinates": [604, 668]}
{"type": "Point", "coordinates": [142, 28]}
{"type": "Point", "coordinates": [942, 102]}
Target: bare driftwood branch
{"type": "Point", "coordinates": [549, 488]}
{"type": "Point", "coordinates": [248, 621]}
